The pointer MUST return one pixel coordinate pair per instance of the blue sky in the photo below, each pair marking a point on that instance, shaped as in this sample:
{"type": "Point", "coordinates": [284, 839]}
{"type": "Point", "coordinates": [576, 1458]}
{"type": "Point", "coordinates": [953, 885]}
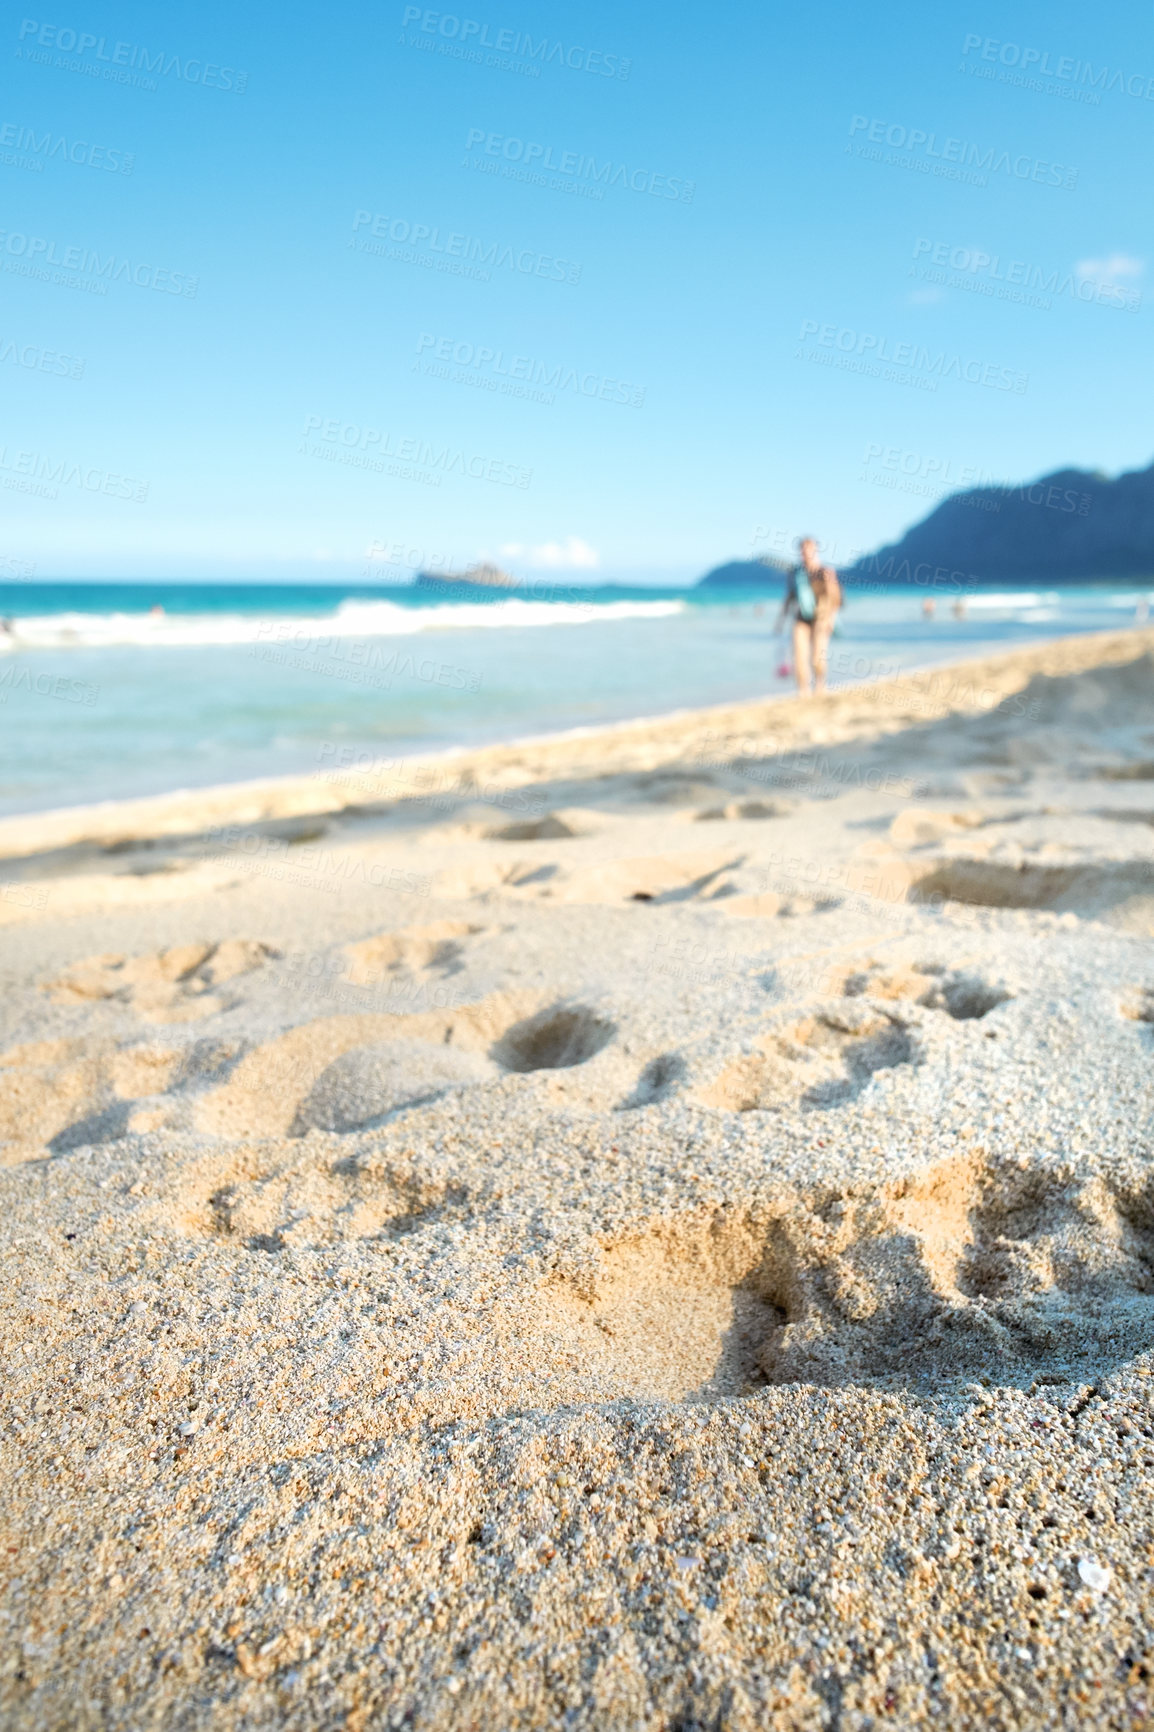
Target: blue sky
{"type": "Point", "coordinates": [346, 302]}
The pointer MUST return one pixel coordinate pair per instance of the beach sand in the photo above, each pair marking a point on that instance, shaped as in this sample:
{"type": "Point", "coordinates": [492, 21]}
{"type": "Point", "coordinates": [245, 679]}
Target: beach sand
{"type": "Point", "coordinates": [651, 1229]}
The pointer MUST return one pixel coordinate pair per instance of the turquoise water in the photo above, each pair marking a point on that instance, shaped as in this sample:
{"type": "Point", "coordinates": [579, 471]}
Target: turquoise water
{"type": "Point", "coordinates": [102, 699]}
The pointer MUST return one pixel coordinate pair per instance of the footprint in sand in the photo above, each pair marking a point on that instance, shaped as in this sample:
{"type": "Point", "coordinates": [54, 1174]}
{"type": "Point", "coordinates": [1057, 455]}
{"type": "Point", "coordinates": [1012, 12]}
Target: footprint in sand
{"type": "Point", "coordinates": [557, 1038]}
{"type": "Point", "coordinates": [547, 827]}
{"type": "Point", "coordinates": [746, 809]}
{"type": "Point", "coordinates": [1118, 892]}
{"type": "Point", "coordinates": [964, 1269]}
{"type": "Point", "coordinates": [913, 827]}
{"type": "Point", "coordinates": [776, 905]}
{"type": "Point", "coordinates": [660, 878]}
{"type": "Point", "coordinates": [175, 985]}
{"type": "Point", "coordinates": [670, 788]}
{"type": "Point", "coordinates": [1137, 770]}
{"type": "Point", "coordinates": [1035, 1270]}
{"type": "Point", "coordinates": [254, 1204]}
{"type": "Point", "coordinates": [1138, 1004]}
{"type": "Point", "coordinates": [670, 1313]}
{"type": "Point", "coordinates": [57, 1095]}
{"type": "Point", "coordinates": [828, 1058]}
{"type": "Point", "coordinates": [660, 1079]}
{"type": "Point", "coordinates": [342, 1073]}
{"type": "Point", "coordinates": [436, 948]}
{"type": "Point", "coordinates": [370, 1085]}
{"type": "Point", "coordinates": [480, 878]}
{"type": "Point", "coordinates": [822, 1061]}
{"type": "Point", "coordinates": [961, 994]}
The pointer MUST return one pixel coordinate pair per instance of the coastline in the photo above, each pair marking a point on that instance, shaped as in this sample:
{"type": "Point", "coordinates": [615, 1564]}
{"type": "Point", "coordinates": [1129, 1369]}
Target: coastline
{"type": "Point", "coordinates": [509, 762]}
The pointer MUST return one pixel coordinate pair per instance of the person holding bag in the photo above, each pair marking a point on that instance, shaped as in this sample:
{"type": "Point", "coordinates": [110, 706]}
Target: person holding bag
{"type": "Point", "coordinates": [812, 599]}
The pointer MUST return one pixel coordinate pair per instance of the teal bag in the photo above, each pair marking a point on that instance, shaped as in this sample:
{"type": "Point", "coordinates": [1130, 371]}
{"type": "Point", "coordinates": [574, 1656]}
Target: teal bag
{"type": "Point", "coordinates": [806, 600]}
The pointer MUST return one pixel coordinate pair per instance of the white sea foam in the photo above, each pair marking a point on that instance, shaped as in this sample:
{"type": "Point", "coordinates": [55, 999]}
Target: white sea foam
{"type": "Point", "coordinates": [1019, 598]}
{"type": "Point", "coordinates": [352, 619]}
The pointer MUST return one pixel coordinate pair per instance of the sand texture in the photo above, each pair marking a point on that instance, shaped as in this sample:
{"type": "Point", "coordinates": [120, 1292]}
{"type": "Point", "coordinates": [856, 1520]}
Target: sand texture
{"type": "Point", "coordinates": [645, 1230]}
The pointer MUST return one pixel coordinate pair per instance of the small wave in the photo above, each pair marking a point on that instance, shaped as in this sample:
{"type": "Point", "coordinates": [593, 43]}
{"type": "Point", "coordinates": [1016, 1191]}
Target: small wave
{"type": "Point", "coordinates": [1015, 598]}
{"type": "Point", "coordinates": [350, 620]}
{"type": "Point", "coordinates": [386, 618]}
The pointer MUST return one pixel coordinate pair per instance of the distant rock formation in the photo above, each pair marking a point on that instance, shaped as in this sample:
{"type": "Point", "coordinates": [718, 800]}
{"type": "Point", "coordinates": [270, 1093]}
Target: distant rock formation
{"type": "Point", "coordinates": [477, 577]}
{"type": "Point", "coordinates": [1069, 527]}
{"type": "Point", "coordinates": [763, 573]}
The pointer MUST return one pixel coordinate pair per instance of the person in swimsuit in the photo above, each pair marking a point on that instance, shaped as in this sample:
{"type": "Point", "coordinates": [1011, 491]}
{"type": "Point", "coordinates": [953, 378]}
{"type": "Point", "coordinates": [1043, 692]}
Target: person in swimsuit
{"type": "Point", "coordinates": [812, 601]}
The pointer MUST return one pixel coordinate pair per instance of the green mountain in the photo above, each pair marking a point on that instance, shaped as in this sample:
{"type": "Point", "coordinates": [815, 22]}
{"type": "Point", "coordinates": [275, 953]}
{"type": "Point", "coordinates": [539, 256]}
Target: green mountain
{"type": "Point", "coordinates": [765, 573]}
{"type": "Point", "coordinates": [1069, 527]}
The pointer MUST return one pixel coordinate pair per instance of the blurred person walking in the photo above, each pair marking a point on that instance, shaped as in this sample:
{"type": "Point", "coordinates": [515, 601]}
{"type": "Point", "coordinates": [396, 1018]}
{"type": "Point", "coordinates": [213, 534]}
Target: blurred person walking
{"type": "Point", "coordinates": [812, 599]}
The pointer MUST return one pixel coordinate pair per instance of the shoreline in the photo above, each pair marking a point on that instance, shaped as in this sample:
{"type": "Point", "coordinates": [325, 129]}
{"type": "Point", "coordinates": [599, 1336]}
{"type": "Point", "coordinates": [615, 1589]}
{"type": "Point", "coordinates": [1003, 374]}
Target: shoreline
{"type": "Point", "coordinates": [318, 792]}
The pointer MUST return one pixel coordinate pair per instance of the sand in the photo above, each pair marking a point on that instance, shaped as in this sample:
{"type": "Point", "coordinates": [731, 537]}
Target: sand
{"type": "Point", "coordinates": [652, 1229]}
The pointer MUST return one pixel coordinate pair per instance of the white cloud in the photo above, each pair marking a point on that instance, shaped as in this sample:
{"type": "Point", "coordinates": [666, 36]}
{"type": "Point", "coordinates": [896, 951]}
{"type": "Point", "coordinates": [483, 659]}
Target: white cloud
{"type": "Point", "coordinates": [572, 554]}
{"type": "Point", "coordinates": [1109, 270]}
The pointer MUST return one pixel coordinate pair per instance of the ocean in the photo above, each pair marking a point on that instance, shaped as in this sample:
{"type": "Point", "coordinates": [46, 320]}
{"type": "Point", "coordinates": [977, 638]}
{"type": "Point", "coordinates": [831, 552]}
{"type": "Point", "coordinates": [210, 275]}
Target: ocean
{"type": "Point", "coordinates": [109, 691]}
